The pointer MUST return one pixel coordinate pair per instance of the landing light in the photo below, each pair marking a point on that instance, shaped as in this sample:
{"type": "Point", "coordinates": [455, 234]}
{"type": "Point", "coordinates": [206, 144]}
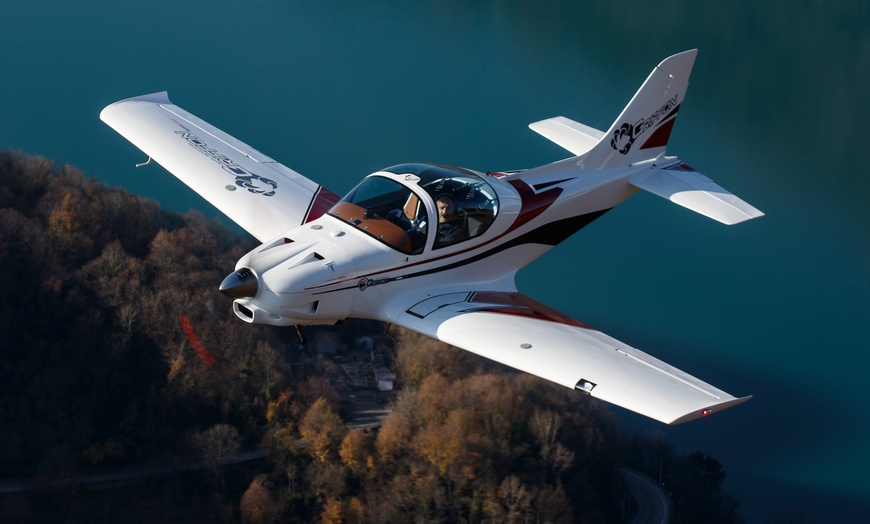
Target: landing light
{"type": "Point", "coordinates": [585, 385]}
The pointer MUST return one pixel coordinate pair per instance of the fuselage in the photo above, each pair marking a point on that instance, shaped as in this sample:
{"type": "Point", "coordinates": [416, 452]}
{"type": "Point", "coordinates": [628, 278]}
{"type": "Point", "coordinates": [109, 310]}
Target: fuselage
{"type": "Point", "coordinates": [389, 237]}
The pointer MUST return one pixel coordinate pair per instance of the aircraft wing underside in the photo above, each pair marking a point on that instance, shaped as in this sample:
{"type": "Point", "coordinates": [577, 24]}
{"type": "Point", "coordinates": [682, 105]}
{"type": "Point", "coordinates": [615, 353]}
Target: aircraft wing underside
{"type": "Point", "coordinates": [264, 197]}
{"type": "Point", "coordinates": [517, 331]}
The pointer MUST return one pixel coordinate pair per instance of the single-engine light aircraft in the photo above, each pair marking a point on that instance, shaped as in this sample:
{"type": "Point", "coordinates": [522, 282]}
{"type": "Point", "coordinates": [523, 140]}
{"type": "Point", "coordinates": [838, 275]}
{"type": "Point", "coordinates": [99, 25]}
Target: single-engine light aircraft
{"type": "Point", "coordinates": [436, 248]}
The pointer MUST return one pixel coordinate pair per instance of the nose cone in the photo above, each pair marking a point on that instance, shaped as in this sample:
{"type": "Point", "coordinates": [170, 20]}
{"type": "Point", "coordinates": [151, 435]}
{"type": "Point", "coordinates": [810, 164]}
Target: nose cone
{"type": "Point", "coordinates": [240, 284]}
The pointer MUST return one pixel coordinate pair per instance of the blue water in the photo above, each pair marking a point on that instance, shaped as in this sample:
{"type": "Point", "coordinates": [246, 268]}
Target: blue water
{"type": "Point", "coordinates": [777, 112]}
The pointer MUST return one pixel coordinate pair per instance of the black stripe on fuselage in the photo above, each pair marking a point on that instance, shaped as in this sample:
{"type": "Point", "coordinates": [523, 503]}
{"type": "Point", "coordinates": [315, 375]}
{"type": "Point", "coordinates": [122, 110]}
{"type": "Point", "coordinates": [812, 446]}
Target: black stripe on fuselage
{"type": "Point", "coordinates": [549, 234]}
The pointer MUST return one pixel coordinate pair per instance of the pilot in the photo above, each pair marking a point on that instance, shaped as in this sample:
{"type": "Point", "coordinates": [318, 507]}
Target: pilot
{"type": "Point", "coordinates": [451, 226]}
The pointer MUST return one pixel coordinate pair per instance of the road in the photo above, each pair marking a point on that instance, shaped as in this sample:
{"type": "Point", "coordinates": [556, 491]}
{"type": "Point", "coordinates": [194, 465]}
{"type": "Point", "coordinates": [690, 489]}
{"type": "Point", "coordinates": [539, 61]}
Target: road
{"type": "Point", "coordinates": [653, 506]}
{"type": "Point", "coordinates": [126, 477]}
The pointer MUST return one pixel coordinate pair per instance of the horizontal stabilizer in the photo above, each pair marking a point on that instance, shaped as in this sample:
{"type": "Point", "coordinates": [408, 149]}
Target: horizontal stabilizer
{"type": "Point", "coordinates": [683, 185]}
{"type": "Point", "coordinates": [575, 137]}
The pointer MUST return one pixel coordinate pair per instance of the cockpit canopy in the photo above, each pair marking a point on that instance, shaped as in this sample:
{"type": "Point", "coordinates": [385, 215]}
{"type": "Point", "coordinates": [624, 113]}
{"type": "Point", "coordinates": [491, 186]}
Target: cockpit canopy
{"type": "Point", "coordinates": [462, 204]}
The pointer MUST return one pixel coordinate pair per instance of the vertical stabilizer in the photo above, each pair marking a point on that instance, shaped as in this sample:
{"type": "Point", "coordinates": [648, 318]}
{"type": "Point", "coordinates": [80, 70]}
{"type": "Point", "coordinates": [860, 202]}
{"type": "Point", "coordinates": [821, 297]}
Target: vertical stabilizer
{"type": "Point", "coordinates": [642, 130]}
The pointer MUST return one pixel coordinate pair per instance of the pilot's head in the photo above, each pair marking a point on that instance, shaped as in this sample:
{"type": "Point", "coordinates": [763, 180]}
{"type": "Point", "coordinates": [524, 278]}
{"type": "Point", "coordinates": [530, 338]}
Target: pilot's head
{"type": "Point", "coordinates": [446, 206]}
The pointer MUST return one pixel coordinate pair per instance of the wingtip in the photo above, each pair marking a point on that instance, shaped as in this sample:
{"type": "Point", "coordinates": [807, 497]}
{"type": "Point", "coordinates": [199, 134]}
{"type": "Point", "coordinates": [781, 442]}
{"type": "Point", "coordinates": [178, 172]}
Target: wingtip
{"type": "Point", "coordinates": [709, 410]}
{"type": "Point", "coordinates": [160, 97]}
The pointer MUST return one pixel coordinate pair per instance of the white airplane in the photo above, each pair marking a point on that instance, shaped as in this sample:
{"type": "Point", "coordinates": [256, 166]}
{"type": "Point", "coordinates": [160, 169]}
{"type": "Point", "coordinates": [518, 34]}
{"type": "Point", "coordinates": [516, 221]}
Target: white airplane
{"type": "Point", "coordinates": [436, 248]}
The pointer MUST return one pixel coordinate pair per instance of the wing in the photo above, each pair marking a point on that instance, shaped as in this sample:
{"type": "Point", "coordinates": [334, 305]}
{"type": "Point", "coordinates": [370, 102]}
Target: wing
{"type": "Point", "coordinates": [519, 332]}
{"type": "Point", "coordinates": [264, 197]}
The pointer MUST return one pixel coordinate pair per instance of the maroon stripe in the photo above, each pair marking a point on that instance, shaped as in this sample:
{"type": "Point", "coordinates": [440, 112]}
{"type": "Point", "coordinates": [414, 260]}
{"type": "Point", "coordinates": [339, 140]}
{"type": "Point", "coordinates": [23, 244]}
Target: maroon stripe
{"type": "Point", "coordinates": [533, 204]}
{"type": "Point", "coordinates": [323, 201]}
{"type": "Point", "coordinates": [659, 137]}
{"type": "Point", "coordinates": [520, 305]}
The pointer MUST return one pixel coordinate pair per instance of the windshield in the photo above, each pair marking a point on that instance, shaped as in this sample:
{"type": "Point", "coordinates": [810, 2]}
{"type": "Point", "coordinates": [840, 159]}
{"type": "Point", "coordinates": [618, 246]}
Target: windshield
{"type": "Point", "coordinates": [465, 205]}
{"type": "Point", "coordinates": [387, 211]}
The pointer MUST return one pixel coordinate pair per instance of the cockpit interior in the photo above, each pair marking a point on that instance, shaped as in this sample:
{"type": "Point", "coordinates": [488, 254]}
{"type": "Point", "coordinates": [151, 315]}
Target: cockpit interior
{"type": "Point", "coordinates": [455, 203]}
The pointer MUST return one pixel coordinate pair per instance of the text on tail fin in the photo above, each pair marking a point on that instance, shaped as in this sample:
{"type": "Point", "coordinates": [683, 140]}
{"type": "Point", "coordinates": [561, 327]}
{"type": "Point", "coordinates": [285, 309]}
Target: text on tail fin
{"type": "Point", "coordinates": [643, 128]}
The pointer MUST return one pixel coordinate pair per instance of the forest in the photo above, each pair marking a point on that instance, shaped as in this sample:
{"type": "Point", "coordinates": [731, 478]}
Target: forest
{"type": "Point", "coordinates": [117, 353]}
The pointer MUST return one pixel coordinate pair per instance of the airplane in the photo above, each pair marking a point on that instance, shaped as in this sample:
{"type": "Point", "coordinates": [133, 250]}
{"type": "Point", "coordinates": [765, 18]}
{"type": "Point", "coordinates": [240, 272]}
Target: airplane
{"type": "Point", "coordinates": [436, 248]}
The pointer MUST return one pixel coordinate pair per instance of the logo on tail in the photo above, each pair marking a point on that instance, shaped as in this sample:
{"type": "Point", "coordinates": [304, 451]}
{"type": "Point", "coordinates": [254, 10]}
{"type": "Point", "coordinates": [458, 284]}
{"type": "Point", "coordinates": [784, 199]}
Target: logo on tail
{"type": "Point", "coordinates": [624, 137]}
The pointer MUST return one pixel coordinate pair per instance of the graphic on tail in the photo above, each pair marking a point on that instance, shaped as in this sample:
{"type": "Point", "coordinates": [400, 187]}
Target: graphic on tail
{"type": "Point", "coordinates": [642, 131]}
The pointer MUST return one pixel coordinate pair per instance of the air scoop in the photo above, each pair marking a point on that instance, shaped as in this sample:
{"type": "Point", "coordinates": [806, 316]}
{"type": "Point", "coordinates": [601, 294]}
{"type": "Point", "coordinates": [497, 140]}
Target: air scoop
{"type": "Point", "coordinates": [240, 284]}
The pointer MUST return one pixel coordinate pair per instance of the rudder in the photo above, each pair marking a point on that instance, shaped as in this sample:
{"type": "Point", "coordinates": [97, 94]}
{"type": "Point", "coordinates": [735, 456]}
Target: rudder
{"type": "Point", "coordinates": [642, 130]}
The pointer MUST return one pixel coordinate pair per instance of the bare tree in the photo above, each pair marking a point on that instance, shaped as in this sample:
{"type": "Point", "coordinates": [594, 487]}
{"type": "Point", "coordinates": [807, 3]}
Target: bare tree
{"type": "Point", "coordinates": [217, 444]}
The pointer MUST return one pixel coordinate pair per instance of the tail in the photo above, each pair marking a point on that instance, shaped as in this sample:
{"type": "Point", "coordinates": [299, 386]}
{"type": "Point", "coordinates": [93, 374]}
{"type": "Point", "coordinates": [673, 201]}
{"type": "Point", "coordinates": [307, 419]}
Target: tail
{"type": "Point", "coordinates": [641, 131]}
{"type": "Point", "coordinates": [640, 135]}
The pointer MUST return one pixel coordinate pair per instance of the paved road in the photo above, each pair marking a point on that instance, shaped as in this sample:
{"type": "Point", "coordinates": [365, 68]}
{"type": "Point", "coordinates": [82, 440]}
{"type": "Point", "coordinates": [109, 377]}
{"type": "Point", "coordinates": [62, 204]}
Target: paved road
{"type": "Point", "coordinates": [653, 506]}
{"type": "Point", "coordinates": [126, 477]}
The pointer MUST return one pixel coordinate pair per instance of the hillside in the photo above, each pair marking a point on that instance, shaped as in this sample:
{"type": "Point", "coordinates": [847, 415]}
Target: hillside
{"type": "Point", "coordinates": [102, 295]}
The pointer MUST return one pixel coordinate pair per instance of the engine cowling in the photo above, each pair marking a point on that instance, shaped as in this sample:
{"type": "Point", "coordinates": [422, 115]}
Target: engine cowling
{"type": "Point", "coordinates": [287, 282]}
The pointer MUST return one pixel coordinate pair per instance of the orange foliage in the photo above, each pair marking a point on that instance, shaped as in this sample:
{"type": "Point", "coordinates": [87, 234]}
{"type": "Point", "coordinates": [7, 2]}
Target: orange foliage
{"type": "Point", "coordinates": [355, 451]}
{"type": "Point", "coordinates": [322, 430]}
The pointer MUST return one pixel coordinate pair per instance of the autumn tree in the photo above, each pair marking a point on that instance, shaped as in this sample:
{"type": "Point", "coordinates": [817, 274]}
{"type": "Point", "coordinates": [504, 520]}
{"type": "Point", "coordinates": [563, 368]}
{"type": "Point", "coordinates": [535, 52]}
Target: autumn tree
{"type": "Point", "coordinates": [333, 512]}
{"type": "Point", "coordinates": [322, 430]}
{"type": "Point", "coordinates": [356, 452]}
{"type": "Point", "coordinates": [257, 505]}
{"type": "Point", "coordinates": [423, 356]}
{"type": "Point", "coordinates": [393, 437]}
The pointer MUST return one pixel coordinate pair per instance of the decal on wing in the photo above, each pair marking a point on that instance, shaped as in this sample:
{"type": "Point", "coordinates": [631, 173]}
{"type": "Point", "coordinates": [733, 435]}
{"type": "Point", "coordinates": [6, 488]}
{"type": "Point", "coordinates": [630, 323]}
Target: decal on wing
{"type": "Point", "coordinates": [263, 196]}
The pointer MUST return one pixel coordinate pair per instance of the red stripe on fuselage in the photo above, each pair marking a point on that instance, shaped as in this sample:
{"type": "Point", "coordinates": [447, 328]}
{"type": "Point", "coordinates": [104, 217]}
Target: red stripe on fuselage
{"type": "Point", "coordinates": [533, 204]}
{"type": "Point", "coordinates": [520, 305]}
{"type": "Point", "coordinates": [323, 201]}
